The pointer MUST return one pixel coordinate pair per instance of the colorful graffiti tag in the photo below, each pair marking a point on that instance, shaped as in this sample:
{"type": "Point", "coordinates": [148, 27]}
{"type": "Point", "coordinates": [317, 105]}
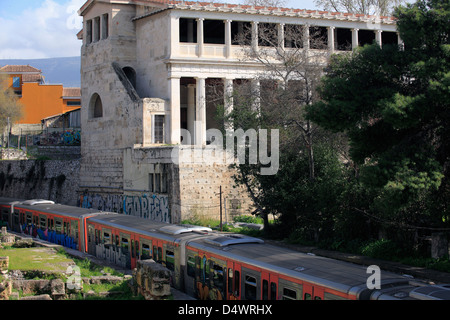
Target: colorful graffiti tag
{"type": "Point", "coordinates": [153, 207]}
{"type": "Point", "coordinates": [50, 236]}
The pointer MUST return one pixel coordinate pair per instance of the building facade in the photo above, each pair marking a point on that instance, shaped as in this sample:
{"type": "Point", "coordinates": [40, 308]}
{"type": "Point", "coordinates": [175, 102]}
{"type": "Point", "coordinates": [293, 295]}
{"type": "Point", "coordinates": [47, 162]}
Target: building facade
{"type": "Point", "coordinates": [147, 67]}
{"type": "Point", "coordinates": [39, 100]}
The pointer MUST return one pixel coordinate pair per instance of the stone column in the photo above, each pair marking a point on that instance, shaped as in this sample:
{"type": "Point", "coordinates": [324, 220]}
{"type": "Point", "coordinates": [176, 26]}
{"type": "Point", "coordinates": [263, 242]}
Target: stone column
{"type": "Point", "coordinates": [200, 37]}
{"type": "Point", "coordinates": [306, 37]}
{"type": "Point", "coordinates": [256, 86]}
{"type": "Point", "coordinates": [255, 35]}
{"type": "Point", "coordinates": [355, 41]}
{"type": "Point", "coordinates": [331, 39]}
{"type": "Point", "coordinates": [378, 38]}
{"type": "Point", "coordinates": [200, 123]}
{"type": "Point", "coordinates": [191, 110]}
{"type": "Point", "coordinates": [174, 36]}
{"type": "Point", "coordinates": [228, 97]}
{"type": "Point", "coordinates": [228, 38]}
{"type": "Point", "coordinates": [281, 35]}
{"type": "Point", "coordinates": [400, 42]}
{"type": "Point", "coordinates": [174, 85]}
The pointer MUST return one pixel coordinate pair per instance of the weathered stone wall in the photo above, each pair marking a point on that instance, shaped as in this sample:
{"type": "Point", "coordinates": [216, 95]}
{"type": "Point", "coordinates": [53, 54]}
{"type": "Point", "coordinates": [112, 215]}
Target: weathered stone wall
{"type": "Point", "coordinates": [55, 180]}
{"type": "Point", "coordinates": [151, 280]}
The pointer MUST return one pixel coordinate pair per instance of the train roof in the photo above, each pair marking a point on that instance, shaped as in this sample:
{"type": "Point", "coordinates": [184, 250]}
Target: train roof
{"type": "Point", "coordinates": [48, 206]}
{"type": "Point", "coordinates": [9, 201]}
{"type": "Point", "coordinates": [147, 227]}
{"type": "Point", "coordinates": [339, 275]}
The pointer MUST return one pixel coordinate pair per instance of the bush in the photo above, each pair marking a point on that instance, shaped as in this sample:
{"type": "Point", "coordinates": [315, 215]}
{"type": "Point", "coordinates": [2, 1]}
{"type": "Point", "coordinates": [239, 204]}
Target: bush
{"type": "Point", "coordinates": [381, 249]}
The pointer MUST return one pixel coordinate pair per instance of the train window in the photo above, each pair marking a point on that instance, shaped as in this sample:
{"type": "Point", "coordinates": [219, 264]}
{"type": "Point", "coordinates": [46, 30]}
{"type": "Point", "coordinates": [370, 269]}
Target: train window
{"type": "Point", "coordinates": [289, 294]}
{"type": "Point", "coordinates": [230, 280]}
{"type": "Point", "coordinates": [265, 289]}
{"type": "Point", "coordinates": [36, 220]}
{"type": "Point", "coordinates": [106, 238]}
{"type": "Point", "coordinates": [237, 282]}
{"type": "Point", "coordinates": [159, 254]}
{"type": "Point", "coordinates": [58, 226]}
{"type": "Point", "coordinates": [218, 277]}
{"type": "Point", "coordinates": [191, 266]}
{"type": "Point", "coordinates": [124, 245]}
{"type": "Point", "coordinates": [146, 251]}
{"type": "Point", "coordinates": [155, 253]}
{"type": "Point", "coordinates": [170, 260]}
{"type": "Point", "coordinates": [307, 296]}
{"type": "Point", "coordinates": [43, 223]}
{"type": "Point", "coordinates": [273, 291]}
{"type": "Point", "coordinates": [136, 247]}
{"type": "Point", "coordinates": [29, 216]}
{"type": "Point", "coordinates": [74, 229]}
{"type": "Point", "coordinates": [250, 288]}
{"type": "Point", "coordinates": [317, 298]}
{"type": "Point", "coordinates": [117, 240]}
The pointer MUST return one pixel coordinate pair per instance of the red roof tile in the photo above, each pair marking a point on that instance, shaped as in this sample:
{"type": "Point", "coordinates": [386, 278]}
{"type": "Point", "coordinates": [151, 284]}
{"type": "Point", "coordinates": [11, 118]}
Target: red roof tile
{"type": "Point", "coordinates": [71, 92]}
{"type": "Point", "coordinates": [19, 68]}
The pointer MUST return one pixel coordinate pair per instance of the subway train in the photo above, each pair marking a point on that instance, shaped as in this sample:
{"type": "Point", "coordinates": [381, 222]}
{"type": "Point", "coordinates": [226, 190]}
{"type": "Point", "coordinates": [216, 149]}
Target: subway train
{"type": "Point", "coordinates": [207, 264]}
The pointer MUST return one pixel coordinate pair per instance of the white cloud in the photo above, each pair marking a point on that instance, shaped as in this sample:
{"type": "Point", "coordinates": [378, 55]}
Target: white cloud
{"type": "Point", "coordinates": [45, 32]}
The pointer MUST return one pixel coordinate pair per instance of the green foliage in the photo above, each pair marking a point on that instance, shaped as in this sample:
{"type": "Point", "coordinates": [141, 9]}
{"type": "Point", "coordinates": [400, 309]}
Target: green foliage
{"type": "Point", "coordinates": [393, 105]}
{"type": "Point", "coordinates": [381, 249]}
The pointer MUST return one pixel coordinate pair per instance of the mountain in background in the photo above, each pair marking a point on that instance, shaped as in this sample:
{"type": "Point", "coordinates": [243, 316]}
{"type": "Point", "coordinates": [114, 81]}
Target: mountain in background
{"type": "Point", "coordinates": [65, 71]}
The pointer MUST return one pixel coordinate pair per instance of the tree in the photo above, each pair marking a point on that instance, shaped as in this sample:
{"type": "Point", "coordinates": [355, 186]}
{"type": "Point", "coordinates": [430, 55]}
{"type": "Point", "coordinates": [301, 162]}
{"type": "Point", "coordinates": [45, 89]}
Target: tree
{"type": "Point", "coordinates": [392, 102]}
{"type": "Point", "coordinates": [266, 3]}
{"type": "Point", "coordinates": [291, 67]}
{"type": "Point", "coordinates": [369, 7]}
{"type": "Point", "coordinates": [10, 109]}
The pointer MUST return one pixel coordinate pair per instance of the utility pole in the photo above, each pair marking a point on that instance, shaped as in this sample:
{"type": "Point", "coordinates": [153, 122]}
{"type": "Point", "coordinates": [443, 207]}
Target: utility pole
{"type": "Point", "coordinates": [220, 208]}
{"type": "Point", "coordinates": [9, 132]}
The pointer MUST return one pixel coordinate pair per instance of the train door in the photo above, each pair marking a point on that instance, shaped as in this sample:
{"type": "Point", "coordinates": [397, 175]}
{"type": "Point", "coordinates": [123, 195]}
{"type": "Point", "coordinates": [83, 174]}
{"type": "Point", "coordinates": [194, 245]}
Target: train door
{"type": "Point", "coordinates": [190, 272]}
{"type": "Point", "coordinates": [125, 250]}
{"type": "Point", "coordinates": [93, 239]}
{"type": "Point", "coordinates": [157, 251]}
{"type": "Point", "coordinates": [134, 256]}
{"type": "Point", "coordinates": [269, 285]}
{"type": "Point", "coordinates": [312, 293]}
{"type": "Point", "coordinates": [233, 280]}
{"type": "Point", "coordinates": [202, 283]}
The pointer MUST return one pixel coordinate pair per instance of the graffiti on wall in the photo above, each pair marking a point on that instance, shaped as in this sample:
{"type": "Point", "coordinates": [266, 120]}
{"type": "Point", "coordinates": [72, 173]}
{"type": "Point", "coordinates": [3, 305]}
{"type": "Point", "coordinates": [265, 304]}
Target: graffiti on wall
{"type": "Point", "coordinates": [154, 207]}
{"type": "Point", "coordinates": [110, 203]}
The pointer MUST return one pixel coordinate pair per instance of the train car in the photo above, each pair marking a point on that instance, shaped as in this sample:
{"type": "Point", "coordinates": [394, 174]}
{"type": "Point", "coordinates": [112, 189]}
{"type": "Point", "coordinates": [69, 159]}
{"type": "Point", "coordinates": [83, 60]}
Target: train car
{"type": "Point", "coordinates": [236, 267]}
{"type": "Point", "coordinates": [6, 211]}
{"type": "Point", "coordinates": [56, 223]}
{"type": "Point", "coordinates": [122, 240]}
{"type": "Point", "coordinates": [208, 264]}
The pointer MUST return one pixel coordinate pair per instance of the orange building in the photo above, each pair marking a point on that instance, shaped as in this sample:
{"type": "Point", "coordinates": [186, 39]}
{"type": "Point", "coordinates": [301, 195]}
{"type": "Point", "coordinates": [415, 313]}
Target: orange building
{"type": "Point", "coordinates": [40, 100]}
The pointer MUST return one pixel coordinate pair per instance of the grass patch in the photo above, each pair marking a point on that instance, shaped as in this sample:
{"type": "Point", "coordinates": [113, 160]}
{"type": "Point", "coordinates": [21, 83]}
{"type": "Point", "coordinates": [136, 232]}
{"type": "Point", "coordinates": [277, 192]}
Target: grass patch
{"type": "Point", "coordinates": [36, 258]}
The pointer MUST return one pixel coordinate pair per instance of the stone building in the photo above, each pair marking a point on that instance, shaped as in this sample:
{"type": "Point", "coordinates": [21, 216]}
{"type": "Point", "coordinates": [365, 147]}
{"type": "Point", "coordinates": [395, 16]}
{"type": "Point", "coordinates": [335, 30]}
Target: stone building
{"type": "Point", "coordinates": [145, 70]}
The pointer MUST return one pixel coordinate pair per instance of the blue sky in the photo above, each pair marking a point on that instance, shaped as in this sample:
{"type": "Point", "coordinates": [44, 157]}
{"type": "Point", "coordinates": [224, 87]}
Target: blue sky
{"type": "Point", "coordinates": [35, 29]}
